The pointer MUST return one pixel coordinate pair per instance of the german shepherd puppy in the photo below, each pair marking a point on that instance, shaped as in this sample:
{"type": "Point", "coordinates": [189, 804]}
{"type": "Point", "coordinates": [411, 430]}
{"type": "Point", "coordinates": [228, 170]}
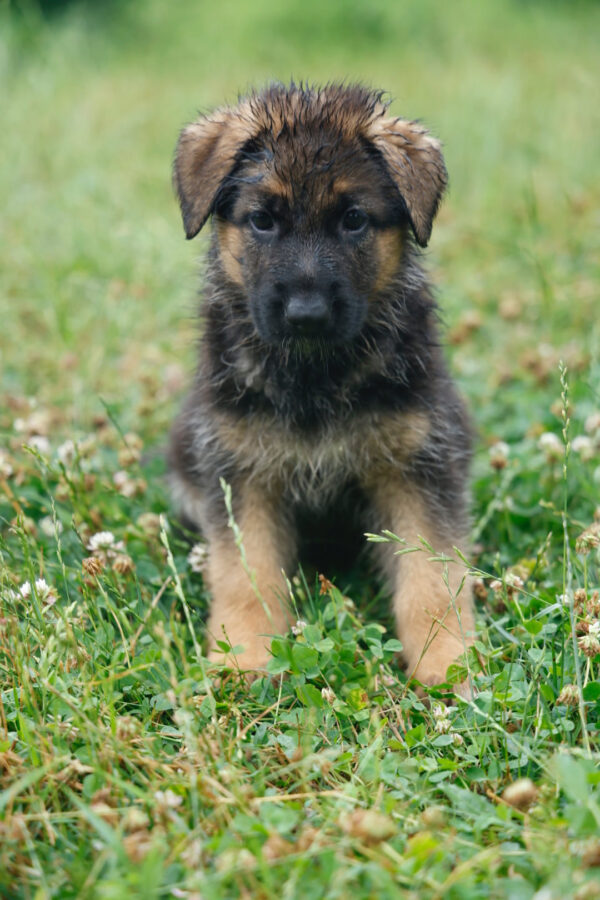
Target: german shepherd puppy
{"type": "Point", "coordinates": [321, 395]}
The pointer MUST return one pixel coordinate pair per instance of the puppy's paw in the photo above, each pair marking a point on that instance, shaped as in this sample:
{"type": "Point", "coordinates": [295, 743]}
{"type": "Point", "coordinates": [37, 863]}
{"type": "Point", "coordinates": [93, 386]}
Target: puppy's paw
{"type": "Point", "coordinates": [250, 661]}
{"type": "Point", "coordinates": [429, 679]}
{"type": "Point", "coordinates": [432, 668]}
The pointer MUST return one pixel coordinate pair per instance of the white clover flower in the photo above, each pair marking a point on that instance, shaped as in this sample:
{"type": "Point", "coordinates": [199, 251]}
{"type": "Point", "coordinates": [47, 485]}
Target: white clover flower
{"type": "Point", "coordinates": [102, 540]}
{"type": "Point", "coordinates": [6, 469]}
{"type": "Point", "coordinates": [592, 423]}
{"type": "Point", "coordinates": [49, 527]}
{"type": "Point", "coordinates": [594, 629]}
{"type": "Point", "coordinates": [551, 445]}
{"type": "Point", "coordinates": [45, 593]}
{"type": "Point", "coordinates": [457, 739]}
{"type": "Point", "coordinates": [125, 484]}
{"type": "Point", "coordinates": [328, 695]}
{"type": "Point", "coordinates": [198, 557]}
{"type": "Point", "coordinates": [39, 443]}
{"type": "Point", "coordinates": [167, 799]}
{"type": "Point", "coordinates": [439, 711]}
{"type": "Point", "coordinates": [299, 627]}
{"type": "Point", "coordinates": [496, 586]}
{"type": "Point", "coordinates": [66, 452]}
{"type": "Point", "coordinates": [584, 447]}
{"type": "Point", "coordinates": [442, 726]}
{"type": "Point", "coordinates": [514, 581]}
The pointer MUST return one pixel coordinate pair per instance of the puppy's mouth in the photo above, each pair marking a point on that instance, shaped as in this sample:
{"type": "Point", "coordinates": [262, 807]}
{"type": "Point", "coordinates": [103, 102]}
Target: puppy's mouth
{"type": "Point", "coordinates": [316, 348]}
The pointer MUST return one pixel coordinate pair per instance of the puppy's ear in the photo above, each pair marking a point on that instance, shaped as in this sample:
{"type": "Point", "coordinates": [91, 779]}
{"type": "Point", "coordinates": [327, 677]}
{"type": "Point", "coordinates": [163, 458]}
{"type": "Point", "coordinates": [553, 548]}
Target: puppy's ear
{"type": "Point", "coordinates": [415, 162]}
{"type": "Point", "coordinates": [206, 153]}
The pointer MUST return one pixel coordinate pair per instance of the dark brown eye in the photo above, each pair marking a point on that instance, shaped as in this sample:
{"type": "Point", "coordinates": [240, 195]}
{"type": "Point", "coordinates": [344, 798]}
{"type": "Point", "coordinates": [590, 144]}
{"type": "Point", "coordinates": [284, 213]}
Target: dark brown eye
{"type": "Point", "coordinates": [262, 221]}
{"type": "Point", "coordinates": [354, 220]}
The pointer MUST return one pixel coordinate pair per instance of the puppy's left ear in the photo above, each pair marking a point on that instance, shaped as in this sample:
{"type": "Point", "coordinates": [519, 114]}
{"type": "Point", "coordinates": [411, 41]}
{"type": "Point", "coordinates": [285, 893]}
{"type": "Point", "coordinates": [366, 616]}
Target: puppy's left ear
{"type": "Point", "coordinates": [415, 162]}
{"type": "Point", "coordinates": [207, 152]}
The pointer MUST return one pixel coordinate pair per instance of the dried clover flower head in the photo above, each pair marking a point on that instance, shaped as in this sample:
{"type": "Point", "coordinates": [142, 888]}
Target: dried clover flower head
{"type": "Point", "coordinates": [149, 522]}
{"type": "Point", "coordinates": [589, 539]}
{"type": "Point", "coordinates": [479, 589]}
{"type": "Point", "coordinates": [589, 643]}
{"type": "Point", "coordinates": [521, 794]}
{"type": "Point", "coordinates": [122, 564]}
{"type": "Point", "coordinates": [92, 565]}
{"type": "Point", "coordinates": [569, 696]}
{"type": "Point", "coordinates": [131, 451]}
{"type": "Point", "coordinates": [499, 455]}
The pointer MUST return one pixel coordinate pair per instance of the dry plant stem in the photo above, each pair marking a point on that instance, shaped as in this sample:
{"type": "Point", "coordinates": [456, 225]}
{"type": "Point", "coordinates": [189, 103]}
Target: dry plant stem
{"type": "Point", "coordinates": [178, 588]}
{"type": "Point", "coordinates": [151, 608]}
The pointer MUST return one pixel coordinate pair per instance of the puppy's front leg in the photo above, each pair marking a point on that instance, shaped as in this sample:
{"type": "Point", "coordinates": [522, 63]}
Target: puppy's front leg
{"type": "Point", "coordinates": [434, 619]}
{"type": "Point", "coordinates": [247, 584]}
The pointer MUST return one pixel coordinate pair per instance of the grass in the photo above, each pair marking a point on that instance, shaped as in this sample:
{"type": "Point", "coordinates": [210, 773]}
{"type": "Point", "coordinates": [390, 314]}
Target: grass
{"type": "Point", "coordinates": [127, 769]}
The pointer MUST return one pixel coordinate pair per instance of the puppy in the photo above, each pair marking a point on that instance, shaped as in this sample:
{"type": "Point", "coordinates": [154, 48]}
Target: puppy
{"type": "Point", "coordinates": [321, 395]}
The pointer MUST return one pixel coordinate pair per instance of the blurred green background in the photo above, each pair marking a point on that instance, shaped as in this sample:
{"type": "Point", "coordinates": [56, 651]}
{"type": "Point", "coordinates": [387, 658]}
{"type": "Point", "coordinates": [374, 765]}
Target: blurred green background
{"type": "Point", "coordinates": [97, 283]}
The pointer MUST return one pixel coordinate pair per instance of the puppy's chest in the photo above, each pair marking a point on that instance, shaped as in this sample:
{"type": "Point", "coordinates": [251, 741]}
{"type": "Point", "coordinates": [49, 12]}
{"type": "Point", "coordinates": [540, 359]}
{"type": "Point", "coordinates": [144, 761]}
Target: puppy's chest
{"type": "Point", "coordinates": [311, 468]}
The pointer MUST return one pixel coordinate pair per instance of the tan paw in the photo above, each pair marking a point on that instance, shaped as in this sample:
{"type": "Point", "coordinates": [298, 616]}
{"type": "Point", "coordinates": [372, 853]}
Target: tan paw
{"type": "Point", "coordinates": [426, 676]}
{"type": "Point", "coordinates": [252, 661]}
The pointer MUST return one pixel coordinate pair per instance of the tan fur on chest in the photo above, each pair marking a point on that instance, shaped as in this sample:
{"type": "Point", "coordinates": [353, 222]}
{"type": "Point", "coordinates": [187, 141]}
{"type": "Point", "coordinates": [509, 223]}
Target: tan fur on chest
{"type": "Point", "coordinates": [312, 468]}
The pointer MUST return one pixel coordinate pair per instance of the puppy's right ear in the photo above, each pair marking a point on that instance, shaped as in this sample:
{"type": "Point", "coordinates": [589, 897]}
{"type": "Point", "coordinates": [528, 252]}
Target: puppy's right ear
{"type": "Point", "coordinates": [207, 152]}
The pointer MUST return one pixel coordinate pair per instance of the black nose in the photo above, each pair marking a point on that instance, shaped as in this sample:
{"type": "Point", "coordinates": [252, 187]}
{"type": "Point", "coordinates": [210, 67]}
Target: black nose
{"type": "Point", "coordinates": [307, 314]}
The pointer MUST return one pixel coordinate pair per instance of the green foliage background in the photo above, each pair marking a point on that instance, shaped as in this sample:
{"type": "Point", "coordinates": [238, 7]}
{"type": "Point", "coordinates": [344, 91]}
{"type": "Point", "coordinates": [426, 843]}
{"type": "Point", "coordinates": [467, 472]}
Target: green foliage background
{"type": "Point", "coordinates": [127, 769]}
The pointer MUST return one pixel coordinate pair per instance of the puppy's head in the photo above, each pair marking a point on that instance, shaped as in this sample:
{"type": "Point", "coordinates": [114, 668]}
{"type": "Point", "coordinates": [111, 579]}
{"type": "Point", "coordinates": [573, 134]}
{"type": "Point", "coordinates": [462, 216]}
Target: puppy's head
{"type": "Point", "coordinates": [314, 193]}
